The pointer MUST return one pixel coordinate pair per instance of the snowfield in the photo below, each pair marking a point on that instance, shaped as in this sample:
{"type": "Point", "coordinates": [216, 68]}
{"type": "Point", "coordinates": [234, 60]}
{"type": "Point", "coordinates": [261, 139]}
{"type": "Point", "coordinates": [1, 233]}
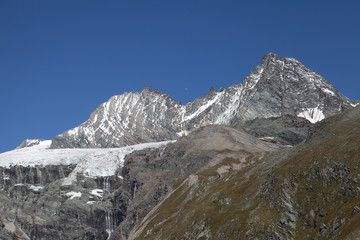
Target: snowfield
{"type": "Point", "coordinates": [92, 162]}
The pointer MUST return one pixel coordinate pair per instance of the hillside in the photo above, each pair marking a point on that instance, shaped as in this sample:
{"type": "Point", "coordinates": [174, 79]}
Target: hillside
{"type": "Point", "coordinates": [308, 192]}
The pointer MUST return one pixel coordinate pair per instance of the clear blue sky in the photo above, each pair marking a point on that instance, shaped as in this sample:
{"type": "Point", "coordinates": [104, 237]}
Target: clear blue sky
{"type": "Point", "coordinates": [59, 60]}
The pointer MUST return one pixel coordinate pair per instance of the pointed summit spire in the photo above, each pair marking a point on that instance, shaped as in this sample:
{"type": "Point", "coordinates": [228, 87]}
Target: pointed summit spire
{"type": "Point", "coordinates": [270, 56]}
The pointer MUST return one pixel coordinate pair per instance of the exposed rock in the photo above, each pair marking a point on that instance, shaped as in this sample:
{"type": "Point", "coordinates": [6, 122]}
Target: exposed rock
{"type": "Point", "coordinates": [287, 130]}
{"type": "Point", "coordinates": [35, 205]}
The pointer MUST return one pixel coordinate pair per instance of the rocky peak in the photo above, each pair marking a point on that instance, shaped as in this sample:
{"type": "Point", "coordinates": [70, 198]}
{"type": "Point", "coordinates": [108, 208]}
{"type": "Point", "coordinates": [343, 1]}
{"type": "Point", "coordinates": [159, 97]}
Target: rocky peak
{"type": "Point", "coordinates": [276, 87]}
{"type": "Point", "coordinates": [270, 57]}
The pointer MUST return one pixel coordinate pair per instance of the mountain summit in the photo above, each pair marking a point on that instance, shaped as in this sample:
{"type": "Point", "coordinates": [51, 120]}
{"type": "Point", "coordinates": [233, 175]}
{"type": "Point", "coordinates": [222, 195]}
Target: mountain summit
{"type": "Point", "coordinates": [276, 87]}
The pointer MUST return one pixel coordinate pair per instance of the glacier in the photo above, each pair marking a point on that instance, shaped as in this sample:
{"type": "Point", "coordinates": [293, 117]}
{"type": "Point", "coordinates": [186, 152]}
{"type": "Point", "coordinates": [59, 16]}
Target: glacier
{"type": "Point", "coordinates": [92, 162]}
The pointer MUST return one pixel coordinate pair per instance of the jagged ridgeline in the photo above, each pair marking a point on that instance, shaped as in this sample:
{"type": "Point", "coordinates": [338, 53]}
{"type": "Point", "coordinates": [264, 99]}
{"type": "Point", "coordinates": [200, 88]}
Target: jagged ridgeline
{"type": "Point", "coordinates": [246, 162]}
{"type": "Point", "coordinates": [277, 87]}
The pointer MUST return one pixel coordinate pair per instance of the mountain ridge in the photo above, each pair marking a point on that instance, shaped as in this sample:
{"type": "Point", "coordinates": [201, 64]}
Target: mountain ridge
{"type": "Point", "coordinates": [276, 87]}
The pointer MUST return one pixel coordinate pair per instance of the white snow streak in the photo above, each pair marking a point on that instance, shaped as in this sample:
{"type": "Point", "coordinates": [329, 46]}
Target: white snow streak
{"type": "Point", "coordinates": [312, 114]}
{"type": "Point", "coordinates": [36, 188]}
{"type": "Point", "coordinates": [202, 108]}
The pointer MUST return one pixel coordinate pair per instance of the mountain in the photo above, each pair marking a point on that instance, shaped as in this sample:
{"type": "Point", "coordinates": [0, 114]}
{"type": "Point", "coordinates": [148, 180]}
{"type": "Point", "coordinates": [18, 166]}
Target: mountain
{"type": "Point", "coordinates": [277, 87]}
{"type": "Point", "coordinates": [101, 193]}
{"type": "Point", "coordinates": [310, 191]}
{"type": "Point", "coordinates": [215, 183]}
{"type": "Point", "coordinates": [266, 172]}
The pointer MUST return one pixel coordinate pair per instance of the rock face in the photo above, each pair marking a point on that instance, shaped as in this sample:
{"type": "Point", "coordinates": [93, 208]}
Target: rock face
{"type": "Point", "coordinates": [277, 87]}
{"type": "Point", "coordinates": [34, 204]}
{"type": "Point", "coordinates": [286, 130]}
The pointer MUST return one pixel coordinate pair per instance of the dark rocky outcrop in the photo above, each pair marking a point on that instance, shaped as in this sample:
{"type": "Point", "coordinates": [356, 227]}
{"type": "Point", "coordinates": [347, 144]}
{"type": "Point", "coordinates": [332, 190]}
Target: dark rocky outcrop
{"type": "Point", "coordinates": [286, 130]}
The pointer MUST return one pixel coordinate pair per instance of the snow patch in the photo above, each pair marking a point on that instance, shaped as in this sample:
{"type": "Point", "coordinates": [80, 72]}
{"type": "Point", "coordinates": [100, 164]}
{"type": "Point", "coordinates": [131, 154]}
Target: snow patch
{"type": "Point", "coordinates": [267, 138]}
{"type": "Point", "coordinates": [36, 188]}
{"type": "Point", "coordinates": [183, 133]}
{"type": "Point", "coordinates": [312, 114]}
{"type": "Point", "coordinates": [73, 132]}
{"type": "Point", "coordinates": [328, 91]}
{"type": "Point", "coordinates": [354, 105]}
{"type": "Point", "coordinates": [73, 195]}
{"type": "Point", "coordinates": [97, 192]}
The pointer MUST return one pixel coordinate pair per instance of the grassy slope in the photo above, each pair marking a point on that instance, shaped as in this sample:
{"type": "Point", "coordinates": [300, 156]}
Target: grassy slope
{"type": "Point", "coordinates": [309, 192]}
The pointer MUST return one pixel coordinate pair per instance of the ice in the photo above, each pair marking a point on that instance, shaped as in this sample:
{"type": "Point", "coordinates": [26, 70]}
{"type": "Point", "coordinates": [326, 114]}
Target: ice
{"type": "Point", "coordinates": [92, 162]}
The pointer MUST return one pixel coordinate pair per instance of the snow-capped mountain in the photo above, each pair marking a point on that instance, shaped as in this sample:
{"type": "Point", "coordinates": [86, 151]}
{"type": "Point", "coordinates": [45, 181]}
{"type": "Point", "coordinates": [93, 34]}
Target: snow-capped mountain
{"type": "Point", "coordinates": [276, 87]}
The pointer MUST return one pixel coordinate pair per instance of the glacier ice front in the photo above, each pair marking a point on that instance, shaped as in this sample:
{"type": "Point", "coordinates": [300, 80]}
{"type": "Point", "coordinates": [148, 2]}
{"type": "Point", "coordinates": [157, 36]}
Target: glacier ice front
{"type": "Point", "coordinates": [92, 162]}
